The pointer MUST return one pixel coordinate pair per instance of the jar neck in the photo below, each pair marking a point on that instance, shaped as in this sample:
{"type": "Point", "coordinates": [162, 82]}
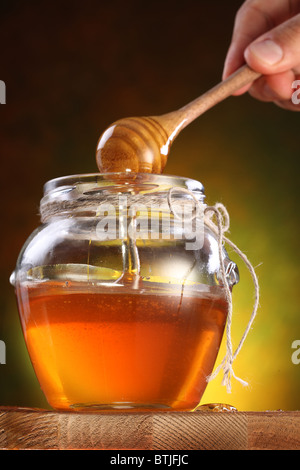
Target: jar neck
{"type": "Point", "coordinates": [81, 195]}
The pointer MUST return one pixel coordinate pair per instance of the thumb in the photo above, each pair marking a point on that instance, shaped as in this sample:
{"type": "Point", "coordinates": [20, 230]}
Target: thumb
{"type": "Point", "coordinates": [277, 50]}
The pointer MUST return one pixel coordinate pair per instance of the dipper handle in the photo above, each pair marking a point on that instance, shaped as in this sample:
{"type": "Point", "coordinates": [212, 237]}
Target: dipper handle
{"type": "Point", "coordinates": [188, 113]}
{"type": "Point", "coordinates": [142, 144]}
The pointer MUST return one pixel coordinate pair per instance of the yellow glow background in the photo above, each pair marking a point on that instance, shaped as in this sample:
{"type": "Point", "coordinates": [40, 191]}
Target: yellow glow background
{"type": "Point", "coordinates": [70, 70]}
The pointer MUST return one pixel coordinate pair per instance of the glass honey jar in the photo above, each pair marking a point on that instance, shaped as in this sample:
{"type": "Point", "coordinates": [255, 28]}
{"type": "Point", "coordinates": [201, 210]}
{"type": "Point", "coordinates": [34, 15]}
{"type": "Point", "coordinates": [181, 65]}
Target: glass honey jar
{"type": "Point", "coordinates": [120, 299]}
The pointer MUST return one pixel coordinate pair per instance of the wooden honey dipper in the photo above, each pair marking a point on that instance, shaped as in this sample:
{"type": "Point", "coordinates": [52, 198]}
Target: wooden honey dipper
{"type": "Point", "coordinates": [142, 144]}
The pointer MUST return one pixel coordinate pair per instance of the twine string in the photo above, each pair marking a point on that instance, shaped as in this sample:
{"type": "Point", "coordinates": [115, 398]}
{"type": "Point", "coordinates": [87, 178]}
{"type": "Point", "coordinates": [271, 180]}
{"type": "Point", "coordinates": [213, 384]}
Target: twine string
{"type": "Point", "coordinates": [219, 228]}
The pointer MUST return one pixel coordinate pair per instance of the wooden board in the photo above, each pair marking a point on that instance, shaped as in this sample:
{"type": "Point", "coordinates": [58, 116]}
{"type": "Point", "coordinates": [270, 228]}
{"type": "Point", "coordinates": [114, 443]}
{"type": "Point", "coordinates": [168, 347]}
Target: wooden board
{"type": "Point", "coordinates": [22, 428]}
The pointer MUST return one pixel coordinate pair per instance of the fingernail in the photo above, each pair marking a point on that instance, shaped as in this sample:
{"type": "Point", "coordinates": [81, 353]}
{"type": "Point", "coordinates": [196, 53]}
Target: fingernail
{"type": "Point", "coordinates": [267, 51]}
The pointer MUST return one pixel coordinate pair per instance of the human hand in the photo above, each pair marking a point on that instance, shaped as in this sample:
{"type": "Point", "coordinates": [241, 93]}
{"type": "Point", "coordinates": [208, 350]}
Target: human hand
{"type": "Point", "coordinates": [266, 35]}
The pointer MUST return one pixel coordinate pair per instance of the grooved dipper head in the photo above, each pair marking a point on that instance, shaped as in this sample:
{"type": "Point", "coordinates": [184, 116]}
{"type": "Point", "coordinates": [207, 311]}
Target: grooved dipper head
{"type": "Point", "coordinates": [136, 144]}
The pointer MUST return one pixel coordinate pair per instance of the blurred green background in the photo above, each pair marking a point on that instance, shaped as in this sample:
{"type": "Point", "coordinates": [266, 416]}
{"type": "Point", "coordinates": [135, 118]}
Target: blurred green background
{"type": "Point", "coordinates": [71, 68]}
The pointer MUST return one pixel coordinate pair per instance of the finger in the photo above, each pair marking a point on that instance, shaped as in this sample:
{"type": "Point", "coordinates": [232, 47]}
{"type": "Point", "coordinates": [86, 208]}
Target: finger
{"type": "Point", "coordinates": [280, 85]}
{"type": "Point", "coordinates": [288, 105]}
{"type": "Point", "coordinates": [253, 19]}
{"type": "Point", "coordinates": [277, 50]}
{"type": "Point", "coordinates": [277, 88]}
{"type": "Point", "coordinates": [284, 104]}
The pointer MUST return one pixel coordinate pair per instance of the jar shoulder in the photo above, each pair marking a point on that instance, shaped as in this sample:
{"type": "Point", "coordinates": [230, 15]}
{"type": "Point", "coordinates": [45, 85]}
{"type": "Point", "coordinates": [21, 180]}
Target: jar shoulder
{"type": "Point", "coordinates": [74, 243]}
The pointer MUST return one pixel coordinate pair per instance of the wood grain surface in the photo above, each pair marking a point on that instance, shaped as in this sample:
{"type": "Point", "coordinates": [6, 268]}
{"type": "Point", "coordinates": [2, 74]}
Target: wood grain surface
{"type": "Point", "coordinates": [22, 428]}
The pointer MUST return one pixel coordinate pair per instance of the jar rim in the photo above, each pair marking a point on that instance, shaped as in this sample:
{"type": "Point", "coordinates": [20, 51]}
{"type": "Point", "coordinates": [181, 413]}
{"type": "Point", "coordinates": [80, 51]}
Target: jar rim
{"type": "Point", "coordinates": [122, 180]}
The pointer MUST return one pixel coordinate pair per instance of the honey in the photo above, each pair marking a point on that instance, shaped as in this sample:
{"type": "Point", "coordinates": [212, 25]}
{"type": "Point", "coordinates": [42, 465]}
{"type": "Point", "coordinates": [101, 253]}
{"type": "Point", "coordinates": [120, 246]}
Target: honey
{"type": "Point", "coordinates": [100, 349]}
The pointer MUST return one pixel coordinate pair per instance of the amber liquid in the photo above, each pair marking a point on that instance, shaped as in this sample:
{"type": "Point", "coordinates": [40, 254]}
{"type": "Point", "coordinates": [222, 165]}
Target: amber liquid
{"type": "Point", "coordinates": [96, 350]}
